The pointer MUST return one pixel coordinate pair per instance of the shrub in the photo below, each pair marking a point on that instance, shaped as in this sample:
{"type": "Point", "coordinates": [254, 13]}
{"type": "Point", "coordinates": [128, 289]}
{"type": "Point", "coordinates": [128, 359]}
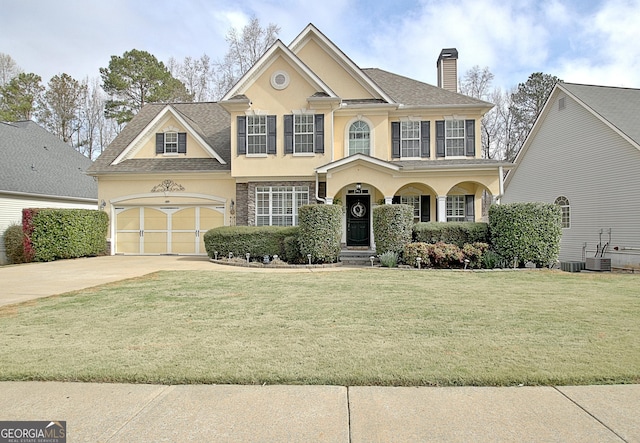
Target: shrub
{"type": "Point", "coordinates": [255, 240]}
{"type": "Point", "coordinates": [389, 259]}
{"type": "Point", "coordinates": [526, 232]}
{"type": "Point", "coordinates": [320, 232]}
{"type": "Point", "coordinates": [392, 227]}
{"type": "Point", "coordinates": [444, 255]}
{"type": "Point", "coordinates": [292, 252]}
{"type": "Point", "coordinates": [457, 233]}
{"type": "Point", "coordinates": [492, 260]}
{"type": "Point", "coordinates": [53, 234]}
{"type": "Point", "coordinates": [14, 244]}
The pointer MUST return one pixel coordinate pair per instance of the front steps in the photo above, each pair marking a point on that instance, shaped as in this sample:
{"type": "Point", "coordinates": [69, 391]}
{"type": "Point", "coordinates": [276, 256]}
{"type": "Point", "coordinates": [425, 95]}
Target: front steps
{"type": "Point", "coordinates": [358, 257]}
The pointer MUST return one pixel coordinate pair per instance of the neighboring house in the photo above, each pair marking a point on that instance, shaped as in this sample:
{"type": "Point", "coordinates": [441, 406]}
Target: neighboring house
{"type": "Point", "coordinates": [583, 153]}
{"type": "Point", "coordinates": [38, 170]}
{"type": "Point", "coordinates": [304, 125]}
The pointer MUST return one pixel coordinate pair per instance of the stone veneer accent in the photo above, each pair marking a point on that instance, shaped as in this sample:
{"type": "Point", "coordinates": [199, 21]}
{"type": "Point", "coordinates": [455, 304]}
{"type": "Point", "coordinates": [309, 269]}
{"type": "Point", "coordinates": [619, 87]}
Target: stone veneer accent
{"type": "Point", "coordinates": [242, 198]}
{"type": "Point", "coordinates": [246, 198]}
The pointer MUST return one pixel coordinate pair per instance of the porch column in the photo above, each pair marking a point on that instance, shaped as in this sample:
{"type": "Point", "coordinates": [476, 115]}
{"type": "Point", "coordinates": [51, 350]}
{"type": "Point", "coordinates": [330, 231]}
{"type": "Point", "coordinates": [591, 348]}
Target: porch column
{"type": "Point", "coordinates": [441, 208]}
{"type": "Point", "coordinates": [388, 200]}
{"type": "Point", "coordinates": [328, 200]}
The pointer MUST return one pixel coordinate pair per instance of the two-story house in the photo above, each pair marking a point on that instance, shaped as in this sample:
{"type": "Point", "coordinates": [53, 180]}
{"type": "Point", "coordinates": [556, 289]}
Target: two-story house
{"type": "Point", "coordinates": [304, 125]}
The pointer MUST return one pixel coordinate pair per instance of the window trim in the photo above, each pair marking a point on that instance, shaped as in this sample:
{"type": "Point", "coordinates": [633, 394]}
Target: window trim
{"type": "Point", "coordinates": [299, 196]}
{"type": "Point", "coordinates": [565, 207]}
{"type": "Point", "coordinates": [348, 126]}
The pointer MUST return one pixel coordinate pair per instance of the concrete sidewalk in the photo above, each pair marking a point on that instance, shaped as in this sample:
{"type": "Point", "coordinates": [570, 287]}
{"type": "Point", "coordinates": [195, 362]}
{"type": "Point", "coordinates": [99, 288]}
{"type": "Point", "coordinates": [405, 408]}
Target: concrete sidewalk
{"type": "Point", "coordinates": [222, 413]}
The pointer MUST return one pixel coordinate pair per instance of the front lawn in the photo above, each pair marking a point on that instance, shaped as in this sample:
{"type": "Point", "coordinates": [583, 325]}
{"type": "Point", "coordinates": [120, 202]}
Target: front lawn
{"type": "Point", "coordinates": [354, 327]}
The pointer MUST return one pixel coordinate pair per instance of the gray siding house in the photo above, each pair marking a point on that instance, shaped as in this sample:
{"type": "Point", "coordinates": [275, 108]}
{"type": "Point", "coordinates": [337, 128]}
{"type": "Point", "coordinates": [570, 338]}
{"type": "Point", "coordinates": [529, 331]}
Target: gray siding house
{"type": "Point", "coordinates": [583, 153]}
{"type": "Point", "coordinates": [38, 170]}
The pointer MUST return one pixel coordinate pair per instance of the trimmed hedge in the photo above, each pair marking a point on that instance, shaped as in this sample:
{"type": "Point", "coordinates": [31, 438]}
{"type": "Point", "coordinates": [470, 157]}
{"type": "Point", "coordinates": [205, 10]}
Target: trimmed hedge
{"type": "Point", "coordinates": [255, 240]}
{"type": "Point", "coordinates": [320, 232]}
{"type": "Point", "coordinates": [457, 233]}
{"type": "Point", "coordinates": [526, 232]}
{"type": "Point", "coordinates": [445, 255]}
{"type": "Point", "coordinates": [392, 227]}
{"type": "Point", "coordinates": [52, 234]}
{"type": "Point", "coordinates": [14, 244]}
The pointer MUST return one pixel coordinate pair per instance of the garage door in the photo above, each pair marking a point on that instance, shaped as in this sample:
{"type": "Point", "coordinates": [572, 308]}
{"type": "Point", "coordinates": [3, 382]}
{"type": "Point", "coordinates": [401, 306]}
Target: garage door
{"type": "Point", "coordinates": [165, 230]}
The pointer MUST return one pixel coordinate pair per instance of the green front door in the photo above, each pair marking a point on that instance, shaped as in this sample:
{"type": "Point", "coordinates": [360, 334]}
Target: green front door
{"type": "Point", "coordinates": [358, 220]}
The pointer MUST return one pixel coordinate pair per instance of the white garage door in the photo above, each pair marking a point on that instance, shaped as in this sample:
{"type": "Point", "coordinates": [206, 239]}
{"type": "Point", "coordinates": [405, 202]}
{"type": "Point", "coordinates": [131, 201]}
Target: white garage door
{"type": "Point", "coordinates": [165, 229]}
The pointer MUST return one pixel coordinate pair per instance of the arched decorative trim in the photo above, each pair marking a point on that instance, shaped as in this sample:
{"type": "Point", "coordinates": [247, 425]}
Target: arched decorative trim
{"type": "Point", "coordinates": [125, 198]}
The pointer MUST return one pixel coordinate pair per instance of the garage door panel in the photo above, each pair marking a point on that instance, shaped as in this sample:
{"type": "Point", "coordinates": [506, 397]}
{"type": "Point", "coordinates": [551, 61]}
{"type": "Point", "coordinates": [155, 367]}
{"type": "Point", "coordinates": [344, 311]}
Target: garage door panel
{"type": "Point", "coordinates": [155, 219]}
{"type": "Point", "coordinates": [209, 219]}
{"type": "Point", "coordinates": [128, 243]}
{"type": "Point", "coordinates": [155, 242]}
{"type": "Point", "coordinates": [128, 219]}
{"type": "Point", "coordinates": [183, 242]}
{"type": "Point", "coordinates": [184, 219]}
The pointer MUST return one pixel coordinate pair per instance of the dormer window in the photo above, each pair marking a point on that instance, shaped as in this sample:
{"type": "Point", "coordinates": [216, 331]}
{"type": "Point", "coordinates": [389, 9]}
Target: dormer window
{"type": "Point", "coordinates": [171, 142]}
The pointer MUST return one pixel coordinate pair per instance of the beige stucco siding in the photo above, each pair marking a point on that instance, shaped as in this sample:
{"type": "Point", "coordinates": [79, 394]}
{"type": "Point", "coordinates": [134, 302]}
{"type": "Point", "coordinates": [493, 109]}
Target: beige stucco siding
{"type": "Point", "coordinates": [331, 72]}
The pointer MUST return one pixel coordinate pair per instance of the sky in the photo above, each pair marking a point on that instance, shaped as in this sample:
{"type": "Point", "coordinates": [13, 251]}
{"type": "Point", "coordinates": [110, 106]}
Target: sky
{"type": "Point", "coordinates": [579, 41]}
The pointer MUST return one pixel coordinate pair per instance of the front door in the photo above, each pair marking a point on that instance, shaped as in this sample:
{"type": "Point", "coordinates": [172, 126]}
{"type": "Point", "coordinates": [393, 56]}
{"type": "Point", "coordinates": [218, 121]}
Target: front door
{"type": "Point", "coordinates": [358, 220]}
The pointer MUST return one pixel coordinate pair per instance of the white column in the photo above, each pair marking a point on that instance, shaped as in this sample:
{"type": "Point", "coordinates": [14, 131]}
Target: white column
{"type": "Point", "coordinates": [441, 208]}
{"type": "Point", "coordinates": [388, 200]}
{"type": "Point", "coordinates": [328, 200]}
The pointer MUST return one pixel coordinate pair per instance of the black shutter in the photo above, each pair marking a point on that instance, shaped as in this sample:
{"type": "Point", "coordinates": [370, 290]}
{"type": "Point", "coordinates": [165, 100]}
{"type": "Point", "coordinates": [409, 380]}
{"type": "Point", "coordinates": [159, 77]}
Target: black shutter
{"type": "Point", "coordinates": [319, 129]}
{"type": "Point", "coordinates": [271, 134]}
{"type": "Point", "coordinates": [288, 134]}
{"type": "Point", "coordinates": [470, 138]}
{"type": "Point", "coordinates": [425, 138]}
{"type": "Point", "coordinates": [395, 200]}
{"type": "Point", "coordinates": [182, 142]}
{"type": "Point", "coordinates": [425, 208]}
{"type": "Point", "coordinates": [395, 139]}
{"type": "Point", "coordinates": [242, 135]}
{"type": "Point", "coordinates": [469, 208]}
{"type": "Point", "coordinates": [440, 150]}
{"type": "Point", "coordinates": [159, 143]}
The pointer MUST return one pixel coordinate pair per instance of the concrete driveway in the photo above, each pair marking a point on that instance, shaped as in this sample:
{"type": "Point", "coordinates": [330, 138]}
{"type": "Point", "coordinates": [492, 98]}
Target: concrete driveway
{"type": "Point", "coordinates": [20, 283]}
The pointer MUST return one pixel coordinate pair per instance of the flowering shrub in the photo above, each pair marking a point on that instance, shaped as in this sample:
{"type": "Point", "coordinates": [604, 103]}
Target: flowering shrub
{"type": "Point", "coordinates": [444, 255]}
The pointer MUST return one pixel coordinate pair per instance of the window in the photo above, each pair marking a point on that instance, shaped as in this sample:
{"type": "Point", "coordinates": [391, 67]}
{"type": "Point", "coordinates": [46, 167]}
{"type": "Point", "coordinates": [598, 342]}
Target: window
{"type": "Point", "coordinates": [454, 138]}
{"type": "Point", "coordinates": [170, 142]}
{"type": "Point", "coordinates": [455, 208]}
{"type": "Point", "coordinates": [413, 201]}
{"type": "Point", "coordinates": [256, 134]}
{"type": "Point", "coordinates": [278, 205]}
{"type": "Point", "coordinates": [410, 139]}
{"type": "Point", "coordinates": [303, 133]}
{"type": "Point", "coordinates": [563, 202]}
{"type": "Point", "coordinates": [359, 138]}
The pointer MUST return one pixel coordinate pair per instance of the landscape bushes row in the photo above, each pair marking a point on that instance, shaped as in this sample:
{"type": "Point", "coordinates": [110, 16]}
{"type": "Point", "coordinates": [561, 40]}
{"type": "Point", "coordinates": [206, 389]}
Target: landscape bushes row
{"type": "Point", "coordinates": [517, 233]}
{"type": "Point", "coordinates": [52, 234]}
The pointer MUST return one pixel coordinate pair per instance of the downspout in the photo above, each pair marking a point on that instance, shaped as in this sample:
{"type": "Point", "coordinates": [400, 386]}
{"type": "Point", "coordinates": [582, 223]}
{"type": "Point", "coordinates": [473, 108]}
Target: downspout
{"type": "Point", "coordinates": [501, 186]}
{"type": "Point", "coordinates": [323, 200]}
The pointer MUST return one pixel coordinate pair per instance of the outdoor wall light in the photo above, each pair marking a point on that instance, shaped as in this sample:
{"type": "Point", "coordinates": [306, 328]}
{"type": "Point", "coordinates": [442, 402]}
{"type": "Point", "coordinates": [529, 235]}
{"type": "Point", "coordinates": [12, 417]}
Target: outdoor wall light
{"type": "Point", "coordinates": [103, 204]}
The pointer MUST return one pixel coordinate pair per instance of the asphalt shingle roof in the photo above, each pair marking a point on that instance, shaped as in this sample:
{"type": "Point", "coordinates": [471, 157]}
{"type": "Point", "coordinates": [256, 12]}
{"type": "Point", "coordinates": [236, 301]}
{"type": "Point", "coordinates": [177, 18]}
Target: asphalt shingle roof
{"type": "Point", "coordinates": [410, 92]}
{"type": "Point", "coordinates": [34, 161]}
{"type": "Point", "coordinates": [619, 106]}
{"type": "Point", "coordinates": [210, 120]}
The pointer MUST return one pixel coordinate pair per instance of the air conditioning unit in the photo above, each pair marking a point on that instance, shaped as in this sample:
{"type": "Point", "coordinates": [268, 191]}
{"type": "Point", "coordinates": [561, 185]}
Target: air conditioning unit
{"type": "Point", "coordinates": [598, 264]}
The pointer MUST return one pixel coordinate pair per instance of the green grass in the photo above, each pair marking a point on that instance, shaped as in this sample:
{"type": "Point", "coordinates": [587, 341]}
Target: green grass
{"type": "Point", "coordinates": [355, 327]}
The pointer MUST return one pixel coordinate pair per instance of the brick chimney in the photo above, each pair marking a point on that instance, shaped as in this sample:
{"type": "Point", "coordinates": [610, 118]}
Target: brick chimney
{"type": "Point", "coordinates": [448, 69]}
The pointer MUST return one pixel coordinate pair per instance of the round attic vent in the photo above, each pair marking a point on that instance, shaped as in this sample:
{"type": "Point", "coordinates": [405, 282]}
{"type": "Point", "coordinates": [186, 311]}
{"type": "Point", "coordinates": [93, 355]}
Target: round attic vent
{"type": "Point", "coordinates": [280, 80]}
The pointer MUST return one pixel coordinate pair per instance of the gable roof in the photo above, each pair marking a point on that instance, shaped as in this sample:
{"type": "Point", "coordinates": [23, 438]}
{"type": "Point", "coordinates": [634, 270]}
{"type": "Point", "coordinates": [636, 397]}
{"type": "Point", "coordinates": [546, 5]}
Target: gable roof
{"type": "Point", "coordinates": [618, 108]}
{"type": "Point", "coordinates": [278, 48]}
{"type": "Point", "coordinates": [209, 121]}
{"type": "Point", "coordinates": [36, 162]}
{"type": "Point", "coordinates": [313, 33]}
